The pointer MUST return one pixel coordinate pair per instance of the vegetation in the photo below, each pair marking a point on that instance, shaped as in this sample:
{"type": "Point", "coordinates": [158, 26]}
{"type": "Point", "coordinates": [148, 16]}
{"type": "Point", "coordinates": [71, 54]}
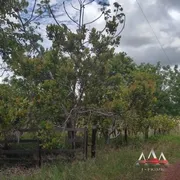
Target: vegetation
{"type": "Point", "coordinates": [110, 163]}
{"type": "Point", "coordinates": [80, 81]}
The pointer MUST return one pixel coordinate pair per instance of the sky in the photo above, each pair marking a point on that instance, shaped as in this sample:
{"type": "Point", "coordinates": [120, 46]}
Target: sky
{"type": "Point", "coordinates": [138, 39]}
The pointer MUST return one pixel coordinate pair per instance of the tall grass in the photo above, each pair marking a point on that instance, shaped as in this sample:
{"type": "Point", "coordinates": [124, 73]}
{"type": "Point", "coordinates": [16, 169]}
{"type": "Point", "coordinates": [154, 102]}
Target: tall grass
{"type": "Point", "coordinates": [110, 163]}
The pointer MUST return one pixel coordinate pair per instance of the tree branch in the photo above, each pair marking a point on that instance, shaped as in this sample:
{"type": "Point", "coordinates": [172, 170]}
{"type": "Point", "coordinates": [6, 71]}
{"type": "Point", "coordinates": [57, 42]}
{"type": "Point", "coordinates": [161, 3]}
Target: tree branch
{"type": "Point", "coordinates": [95, 19]}
{"type": "Point", "coordinates": [24, 29]}
{"type": "Point", "coordinates": [68, 14]}
{"type": "Point", "coordinates": [89, 2]}
{"type": "Point", "coordinates": [103, 30]}
{"type": "Point", "coordinates": [95, 111]}
{"type": "Point", "coordinates": [83, 15]}
{"type": "Point", "coordinates": [22, 23]}
{"type": "Point", "coordinates": [75, 7]}
{"type": "Point", "coordinates": [32, 13]}
{"type": "Point", "coordinates": [68, 117]}
{"type": "Point", "coordinates": [53, 15]}
{"type": "Point", "coordinates": [3, 68]}
{"type": "Point", "coordinates": [124, 24]}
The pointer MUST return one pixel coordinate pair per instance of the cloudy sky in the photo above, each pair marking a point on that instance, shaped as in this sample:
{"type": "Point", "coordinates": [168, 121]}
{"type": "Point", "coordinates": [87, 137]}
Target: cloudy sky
{"type": "Point", "coordinates": [138, 39]}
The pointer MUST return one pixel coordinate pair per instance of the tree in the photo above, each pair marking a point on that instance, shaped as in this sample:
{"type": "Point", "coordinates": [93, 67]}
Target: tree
{"type": "Point", "coordinates": [78, 62]}
{"type": "Point", "coordinates": [116, 97]}
{"type": "Point", "coordinates": [143, 99]}
{"type": "Point", "coordinates": [174, 95]}
{"type": "Point", "coordinates": [17, 34]}
{"type": "Point", "coordinates": [67, 82]}
{"type": "Point", "coordinates": [163, 124]}
{"type": "Point", "coordinates": [13, 111]}
{"type": "Point", "coordinates": [79, 80]}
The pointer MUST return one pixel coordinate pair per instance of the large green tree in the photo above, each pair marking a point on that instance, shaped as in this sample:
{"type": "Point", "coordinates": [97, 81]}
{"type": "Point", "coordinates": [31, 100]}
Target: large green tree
{"type": "Point", "coordinates": [68, 80]}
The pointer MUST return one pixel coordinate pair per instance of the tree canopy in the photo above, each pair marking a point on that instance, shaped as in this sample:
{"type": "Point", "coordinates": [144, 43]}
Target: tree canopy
{"type": "Point", "coordinates": [79, 80]}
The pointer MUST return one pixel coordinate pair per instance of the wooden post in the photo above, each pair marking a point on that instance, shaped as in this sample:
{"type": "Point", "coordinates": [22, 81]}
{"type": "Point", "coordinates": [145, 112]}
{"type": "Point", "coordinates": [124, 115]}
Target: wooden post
{"type": "Point", "coordinates": [126, 135]}
{"type": "Point", "coordinates": [93, 145]}
{"type": "Point", "coordinates": [85, 149]}
{"type": "Point", "coordinates": [73, 134]}
{"type": "Point", "coordinates": [39, 153]}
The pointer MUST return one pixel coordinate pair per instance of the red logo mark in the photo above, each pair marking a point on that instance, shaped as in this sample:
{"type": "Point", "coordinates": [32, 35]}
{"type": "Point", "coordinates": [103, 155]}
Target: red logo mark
{"type": "Point", "coordinates": [152, 159]}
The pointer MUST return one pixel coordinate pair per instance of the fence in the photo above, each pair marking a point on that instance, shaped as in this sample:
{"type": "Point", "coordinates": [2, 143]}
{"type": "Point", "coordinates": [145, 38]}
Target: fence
{"type": "Point", "coordinates": [38, 152]}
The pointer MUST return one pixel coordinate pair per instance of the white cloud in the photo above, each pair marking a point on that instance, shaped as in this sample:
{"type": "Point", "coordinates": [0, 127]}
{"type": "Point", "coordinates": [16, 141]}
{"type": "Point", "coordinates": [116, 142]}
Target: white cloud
{"type": "Point", "coordinates": [52, 2]}
{"type": "Point", "coordinates": [137, 38]}
{"type": "Point", "coordinates": [174, 14]}
{"type": "Point", "coordinates": [176, 43]}
{"type": "Point", "coordinates": [137, 28]}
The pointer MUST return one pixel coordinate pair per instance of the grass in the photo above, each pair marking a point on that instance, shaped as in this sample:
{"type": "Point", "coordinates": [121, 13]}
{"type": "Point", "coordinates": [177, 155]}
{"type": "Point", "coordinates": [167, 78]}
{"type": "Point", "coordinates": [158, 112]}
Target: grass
{"type": "Point", "coordinates": [110, 163]}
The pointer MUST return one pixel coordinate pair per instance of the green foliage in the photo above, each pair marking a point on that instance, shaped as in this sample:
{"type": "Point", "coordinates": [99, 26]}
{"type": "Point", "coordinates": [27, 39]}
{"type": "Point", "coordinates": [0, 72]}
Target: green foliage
{"type": "Point", "coordinates": [49, 138]}
{"type": "Point", "coordinates": [163, 123]}
{"type": "Point", "coordinates": [13, 110]}
{"type": "Point", "coordinates": [17, 34]}
{"type": "Point", "coordinates": [79, 80]}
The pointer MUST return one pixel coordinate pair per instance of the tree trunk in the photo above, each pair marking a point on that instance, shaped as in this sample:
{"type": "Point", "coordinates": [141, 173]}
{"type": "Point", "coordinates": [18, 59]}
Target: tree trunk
{"type": "Point", "coordinates": [6, 146]}
{"type": "Point", "coordinates": [93, 142]}
{"type": "Point", "coordinates": [154, 132]}
{"type": "Point", "coordinates": [146, 133]}
{"type": "Point", "coordinates": [106, 136]}
{"type": "Point", "coordinates": [129, 132]}
{"type": "Point", "coordinates": [126, 135]}
{"type": "Point", "coordinates": [71, 136]}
